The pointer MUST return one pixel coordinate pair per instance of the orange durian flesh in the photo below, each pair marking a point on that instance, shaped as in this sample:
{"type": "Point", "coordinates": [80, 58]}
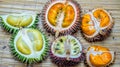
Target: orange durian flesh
{"type": "Point", "coordinates": [69, 16]}
{"type": "Point", "coordinates": [60, 8]}
{"type": "Point", "coordinates": [87, 28]}
{"type": "Point", "coordinates": [52, 14]}
{"type": "Point", "coordinates": [102, 16]}
{"type": "Point", "coordinates": [100, 59]}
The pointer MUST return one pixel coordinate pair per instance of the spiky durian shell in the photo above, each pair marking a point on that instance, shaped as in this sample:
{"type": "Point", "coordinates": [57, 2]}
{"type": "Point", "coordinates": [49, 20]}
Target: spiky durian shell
{"type": "Point", "coordinates": [74, 28]}
{"type": "Point", "coordinates": [103, 34]}
{"type": "Point", "coordinates": [13, 30]}
{"type": "Point", "coordinates": [63, 62]}
{"type": "Point", "coordinates": [24, 59]}
{"type": "Point", "coordinates": [97, 49]}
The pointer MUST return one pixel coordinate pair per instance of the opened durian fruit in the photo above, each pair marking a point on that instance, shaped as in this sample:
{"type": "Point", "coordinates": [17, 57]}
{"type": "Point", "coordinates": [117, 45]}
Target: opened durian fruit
{"type": "Point", "coordinates": [98, 56]}
{"type": "Point", "coordinates": [66, 51]}
{"type": "Point", "coordinates": [61, 16]}
{"type": "Point", "coordinates": [29, 45]}
{"type": "Point", "coordinates": [96, 25]}
{"type": "Point", "coordinates": [13, 22]}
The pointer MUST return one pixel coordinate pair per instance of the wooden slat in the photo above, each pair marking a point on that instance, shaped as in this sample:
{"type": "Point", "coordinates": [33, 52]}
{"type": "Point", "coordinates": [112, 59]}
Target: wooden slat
{"type": "Point", "coordinates": [19, 6]}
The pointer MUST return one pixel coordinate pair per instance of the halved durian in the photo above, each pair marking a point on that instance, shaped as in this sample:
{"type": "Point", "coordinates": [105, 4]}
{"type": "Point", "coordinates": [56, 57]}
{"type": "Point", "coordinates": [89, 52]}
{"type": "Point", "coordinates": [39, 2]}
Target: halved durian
{"type": "Point", "coordinates": [66, 51]}
{"type": "Point", "coordinates": [13, 22]}
{"type": "Point", "coordinates": [29, 45]}
{"type": "Point", "coordinates": [61, 16]}
{"type": "Point", "coordinates": [98, 56]}
{"type": "Point", "coordinates": [96, 25]}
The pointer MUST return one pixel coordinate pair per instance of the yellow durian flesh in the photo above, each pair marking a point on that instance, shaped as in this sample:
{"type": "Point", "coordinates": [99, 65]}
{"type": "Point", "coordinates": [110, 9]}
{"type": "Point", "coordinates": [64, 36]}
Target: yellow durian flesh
{"type": "Point", "coordinates": [36, 38]}
{"type": "Point", "coordinates": [29, 42]}
{"type": "Point", "coordinates": [23, 47]}
{"type": "Point", "coordinates": [19, 21]}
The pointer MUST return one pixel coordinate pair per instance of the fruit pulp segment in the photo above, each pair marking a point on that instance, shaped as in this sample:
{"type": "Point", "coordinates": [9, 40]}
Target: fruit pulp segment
{"type": "Point", "coordinates": [94, 21]}
{"type": "Point", "coordinates": [30, 41]}
{"type": "Point", "coordinates": [54, 14]}
{"type": "Point", "coordinates": [22, 47]}
{"type": "Point", "coordinates": [65, 45]}
{"type": "Point", "coordinates": [100, 59]}
{"type": "Point", "coordinates": [87, 25]}
{"type": "Point", "coordinates": [19, 21]}
{"type": "Point", "coordinates": [102, 16]}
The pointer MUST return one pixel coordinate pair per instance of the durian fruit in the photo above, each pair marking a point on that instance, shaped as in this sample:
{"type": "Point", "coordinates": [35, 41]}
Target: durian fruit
{"type": "Point", "coordinates": [61, 16]}
{"type": "Point", "coordinates": [96, 25]}
{"type": "Point", "coordinates": [13, 22]}
{"type": "Point", "coordinates": [98, 56]}
{"type": "Point", "coordinates": [29, 45]}
{"type": "Point", "coordinates": [66, 51]}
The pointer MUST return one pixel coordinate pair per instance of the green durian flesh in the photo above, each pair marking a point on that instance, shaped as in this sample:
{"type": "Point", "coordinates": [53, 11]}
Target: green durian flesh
{"type": "Point", "coordinates": [59, 47]}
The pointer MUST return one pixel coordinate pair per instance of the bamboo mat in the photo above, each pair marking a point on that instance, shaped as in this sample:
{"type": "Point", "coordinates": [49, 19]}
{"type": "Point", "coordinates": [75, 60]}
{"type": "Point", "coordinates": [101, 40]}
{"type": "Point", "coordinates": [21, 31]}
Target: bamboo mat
{"type": "Point", "coordinates": [19, 6]}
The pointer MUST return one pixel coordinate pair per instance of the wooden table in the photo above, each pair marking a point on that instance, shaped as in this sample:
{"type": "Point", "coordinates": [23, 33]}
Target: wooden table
{"type": "Point", "coordinates": [18, 6]}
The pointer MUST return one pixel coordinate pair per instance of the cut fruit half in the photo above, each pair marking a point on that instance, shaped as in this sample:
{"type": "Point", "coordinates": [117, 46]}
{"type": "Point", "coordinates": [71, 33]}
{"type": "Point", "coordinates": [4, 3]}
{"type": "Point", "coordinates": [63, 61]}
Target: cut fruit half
{"type": "Point", "coordinates": [96, 25]}
{"type": "Point", "coordinates": [13, 22]}
{"type": "Point", "coordinates": [66, 51]}
{"type": "Point", "coordinates": [98, 56]}
{"type": "Point", "coordinates": [29, 45]}
{"type": "Point", "coordinates": [61, 16]}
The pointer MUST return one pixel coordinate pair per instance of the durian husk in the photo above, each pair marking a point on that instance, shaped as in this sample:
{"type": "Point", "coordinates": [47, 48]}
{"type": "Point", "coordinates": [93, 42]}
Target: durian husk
{"type": "Point", "coordinates": [24, 59]}
{"type": "Point", "coordinates": [12, 30]}
{"type": "Point", "coordinates": [103, 34]}
{"type": "Point", "coordinates": [63, 61]}
{"type": "Point", "coordinates": [60, 61]}
{"type": "Point", "coordinates": [74, 28]}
